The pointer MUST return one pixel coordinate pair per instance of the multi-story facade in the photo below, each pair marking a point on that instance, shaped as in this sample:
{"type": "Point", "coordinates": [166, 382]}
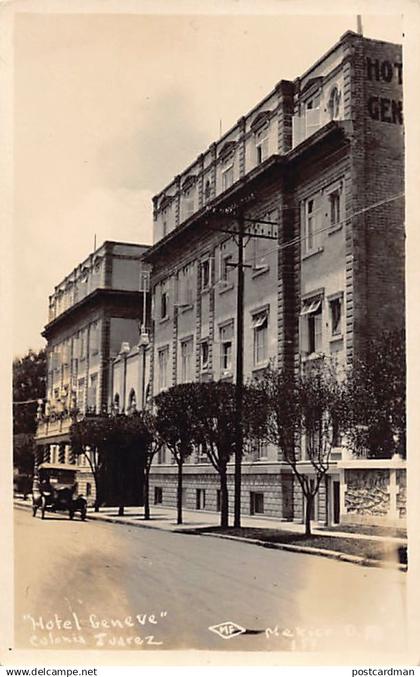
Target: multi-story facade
{"type": "Point", "coordinates": [92, 312]}
{"type": "Point", "coordinates": [318, 166]}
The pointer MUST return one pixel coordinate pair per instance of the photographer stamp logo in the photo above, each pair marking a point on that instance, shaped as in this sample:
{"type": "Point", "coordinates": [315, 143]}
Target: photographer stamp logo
{"type": "Point", "coordinates": [227, 630]}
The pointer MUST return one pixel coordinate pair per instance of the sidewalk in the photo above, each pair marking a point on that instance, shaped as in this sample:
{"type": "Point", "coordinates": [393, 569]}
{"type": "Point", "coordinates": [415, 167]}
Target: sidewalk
{"type": "Point", "coordinates": [164, 518]}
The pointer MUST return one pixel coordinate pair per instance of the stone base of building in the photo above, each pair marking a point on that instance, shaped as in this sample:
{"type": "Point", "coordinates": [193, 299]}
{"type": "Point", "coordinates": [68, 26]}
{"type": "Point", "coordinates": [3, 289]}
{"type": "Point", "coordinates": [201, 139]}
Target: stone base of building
{"type": "Point", "coordinates": [265, 494]}
{"type": "Point", "coordinates": [365, 492]}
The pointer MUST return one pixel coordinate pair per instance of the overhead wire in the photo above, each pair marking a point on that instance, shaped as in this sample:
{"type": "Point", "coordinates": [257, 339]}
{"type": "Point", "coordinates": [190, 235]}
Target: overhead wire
{"type": "Point", "coordinates": [299, 238]}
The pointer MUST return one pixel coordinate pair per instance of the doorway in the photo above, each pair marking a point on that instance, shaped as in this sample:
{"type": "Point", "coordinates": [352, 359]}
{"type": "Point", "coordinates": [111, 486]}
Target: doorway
{"type": "Point", "coordinates": [336, 502]}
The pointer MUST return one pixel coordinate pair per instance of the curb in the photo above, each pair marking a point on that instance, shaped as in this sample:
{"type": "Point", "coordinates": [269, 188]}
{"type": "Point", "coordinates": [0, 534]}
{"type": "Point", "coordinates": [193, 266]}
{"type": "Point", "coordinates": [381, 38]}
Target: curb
{"type": "Point", "coordinates": [303, 549]}
{"type": "Point", "coordinates": [308, 550]}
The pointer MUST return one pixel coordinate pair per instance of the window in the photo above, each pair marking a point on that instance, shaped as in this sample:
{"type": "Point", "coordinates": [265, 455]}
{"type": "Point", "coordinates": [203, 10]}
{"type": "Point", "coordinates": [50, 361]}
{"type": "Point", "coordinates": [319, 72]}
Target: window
{"type": "Point", "coordinates": [311, 326]}
{"type": "Point", "coordinates": [257, 503]}
{"type": "Point", "coordinates": [88, 489]}
{"type": "Point", "coordinates": [204, 355]}
{"type": "Point", "coordinates": [188, 203]}
{"type": "Point", "coordinates": [94, 338]}
{"type": "Point", "coordinates": [311, 225]}
{"type": "Point", "coordinates": [158, 495]}
{"type": "Point", "coordinates": [186, 285]}
{"type": "Point", "coordinates": [259, 450]}
{"type": "Point", "coordinates": [261, 145]}
{"type": "Point", "coordinates": [226, 338]}
{"type": "Point", "coordinates": [164, 301]}
{"type": "Point", "coordinates": [81, 394]}
{"type": "Point", "coordinates": [259, 325]}
{"type": "Point", "coordinates": [227, 177]}
{"type": "Point", "coordinates": [116, 405]}
{"type": "Point", "coordinates": [186, 360]}
{"type": "Point", "coordinates": [91, 396]}
{"type": "Point", "coordinates": [132, 400]}
{"type": "Point", "coordinates": [200, 499]}
{"type": "Point", "coordinates": [205, 274]}
{"type": "Point", "coordinates": [335, 200]}
{"type": "Point", "coordinates": [61, 453]}
{"type": "Point", "coordinates": [227, 268]}
{"type": "Point", "coordinates": [163, 358]}
{"type": "Point", "coordinates": [202, 454]}
{"type": "Point", "coordinates": [207, 191]}
{"type": "Point", "coordinates": [334, 103]}
{"type": "Point", "coordinates": [164, 227]}
{"type": "Point", "coordinates": [82, 347]}
{"type": "Point", "coordinates": [336, 316]}
{"type": "Point", "coordinates": [313, 102]}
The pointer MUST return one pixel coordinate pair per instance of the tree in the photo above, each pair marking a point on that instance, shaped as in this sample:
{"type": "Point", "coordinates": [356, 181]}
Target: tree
{"type": "Point", "coordinates": [307, 409]}
{"type": "Point", "coordinates": [215, 425]}
{"type": "Point", "coordinates": [175, 425]}
{"type": "Point", "coordinates": [377, 398]}
{"type": "Point", "coordinates": [113, 447]}
{"type": "Point", "coordinates": [145, 440]}
{"type": "Point", "coordinates": [29, 383]}
{"type": "Point", "coordinates": [88, 438]}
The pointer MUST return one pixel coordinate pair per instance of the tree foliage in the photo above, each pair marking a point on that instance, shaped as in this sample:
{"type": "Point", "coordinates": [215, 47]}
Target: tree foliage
{"type": "Point", "coordinates": [304, 414]}
{"type": "Point", "coordinates": [214, 423]}
{"type": "Point", "coordinates": [175, 424]}
{"type": "Point", "coordinates": [377, 398]}
{"type": "Point", "coordinates": [29, 383]}
{"type": "Point", "coordinates": [112, 446]}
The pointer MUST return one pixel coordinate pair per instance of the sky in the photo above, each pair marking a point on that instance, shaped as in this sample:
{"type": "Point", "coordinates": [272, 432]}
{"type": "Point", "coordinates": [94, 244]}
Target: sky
{"type": "Point", "coordinates": [109, 107]}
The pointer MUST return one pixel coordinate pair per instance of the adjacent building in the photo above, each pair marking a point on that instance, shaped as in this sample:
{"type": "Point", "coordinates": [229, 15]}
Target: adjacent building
{"type": "Point", "coordinates": [96, 309]}
{"type": "Point", "coordinates": [316, 171]}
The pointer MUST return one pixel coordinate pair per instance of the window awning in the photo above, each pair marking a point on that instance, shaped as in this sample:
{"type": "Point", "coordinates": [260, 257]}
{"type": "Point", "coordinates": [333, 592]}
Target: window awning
{"type": "Point", "coordinates": [259, 320]}
{"type": "Point", "coordinates": [226, 332]}
{"type": "Point", "coordinates": [311, 306]}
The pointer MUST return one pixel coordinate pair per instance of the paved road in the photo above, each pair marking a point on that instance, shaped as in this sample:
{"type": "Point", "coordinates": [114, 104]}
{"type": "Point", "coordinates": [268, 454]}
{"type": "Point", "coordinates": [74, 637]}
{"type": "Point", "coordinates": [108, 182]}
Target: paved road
{"type": "Point", "coordinates": [95, 585]}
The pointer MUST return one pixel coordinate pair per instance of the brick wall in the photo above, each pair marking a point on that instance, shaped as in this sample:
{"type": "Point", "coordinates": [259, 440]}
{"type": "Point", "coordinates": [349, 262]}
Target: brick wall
{"type": "Point", "coordinates": [378, 177]}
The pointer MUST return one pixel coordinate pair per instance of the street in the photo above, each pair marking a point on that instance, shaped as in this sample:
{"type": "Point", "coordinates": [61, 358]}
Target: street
{"type": "Point", "coordinates": [95, 585]}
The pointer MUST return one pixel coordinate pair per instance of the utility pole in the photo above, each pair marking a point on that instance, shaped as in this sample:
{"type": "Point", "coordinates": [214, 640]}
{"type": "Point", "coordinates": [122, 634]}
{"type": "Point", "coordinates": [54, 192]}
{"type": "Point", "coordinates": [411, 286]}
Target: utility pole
{"type": "Point", "coordinates": [239, 371]}
{"type": "Point", "coordinates": [238, 234]}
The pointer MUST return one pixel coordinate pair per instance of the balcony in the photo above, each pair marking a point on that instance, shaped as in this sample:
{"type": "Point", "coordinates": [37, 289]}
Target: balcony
{"type": "Point", "coordinates": [54, 425]}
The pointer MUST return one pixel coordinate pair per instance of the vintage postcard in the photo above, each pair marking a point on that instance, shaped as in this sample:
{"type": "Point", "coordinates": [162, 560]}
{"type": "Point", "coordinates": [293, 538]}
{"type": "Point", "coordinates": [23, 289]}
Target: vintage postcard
{"type": "Point", "coordinates": [206, 291]}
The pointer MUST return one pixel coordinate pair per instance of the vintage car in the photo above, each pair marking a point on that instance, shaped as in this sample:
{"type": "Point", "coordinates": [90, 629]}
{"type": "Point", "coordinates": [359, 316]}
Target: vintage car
{"type": "Point", "coordinates": [54, 488]}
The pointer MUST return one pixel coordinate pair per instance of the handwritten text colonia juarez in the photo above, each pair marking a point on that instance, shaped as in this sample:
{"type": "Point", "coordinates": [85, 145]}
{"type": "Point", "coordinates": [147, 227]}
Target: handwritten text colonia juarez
{"type": "Point", "coordinates": [94, 630]}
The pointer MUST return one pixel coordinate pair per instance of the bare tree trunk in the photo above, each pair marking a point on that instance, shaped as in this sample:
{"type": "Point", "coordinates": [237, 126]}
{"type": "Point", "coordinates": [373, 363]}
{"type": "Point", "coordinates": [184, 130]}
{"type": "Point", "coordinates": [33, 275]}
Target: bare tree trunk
{"type": "Point", "coordinates": [308, 511]}
{"type": "Point", "coordinates": [97, 496]}
{"type": "Point", "coordinates": [224, 499]}
{"type": "Point", "coordinates": [146, 495]}
{"type": "Point", "coordinates": [94, 469]}
{"type": "Point", "coordinates": [179, 494]}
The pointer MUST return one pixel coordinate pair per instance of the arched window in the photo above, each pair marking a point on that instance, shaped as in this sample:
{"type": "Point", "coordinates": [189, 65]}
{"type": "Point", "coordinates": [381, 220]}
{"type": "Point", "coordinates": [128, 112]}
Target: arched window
{"type": "Point", "coordinates": [132, 401]}
{"type": "Point", "coordinates": [207, 191]}
{"type": "Point", "coordinates": [116, 403]}
{"type": "Point", "coordinates": [334, 103]}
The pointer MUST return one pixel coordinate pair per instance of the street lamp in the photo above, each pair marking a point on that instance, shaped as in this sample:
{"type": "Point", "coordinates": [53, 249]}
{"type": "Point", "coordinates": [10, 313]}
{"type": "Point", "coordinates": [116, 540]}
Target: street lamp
{"type": "Point", "coordinates": [144, 344]}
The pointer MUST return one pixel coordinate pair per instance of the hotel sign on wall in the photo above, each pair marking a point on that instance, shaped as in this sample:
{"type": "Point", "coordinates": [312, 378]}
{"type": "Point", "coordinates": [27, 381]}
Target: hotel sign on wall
{"type": "Point", "coordinates": [383, 108]}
